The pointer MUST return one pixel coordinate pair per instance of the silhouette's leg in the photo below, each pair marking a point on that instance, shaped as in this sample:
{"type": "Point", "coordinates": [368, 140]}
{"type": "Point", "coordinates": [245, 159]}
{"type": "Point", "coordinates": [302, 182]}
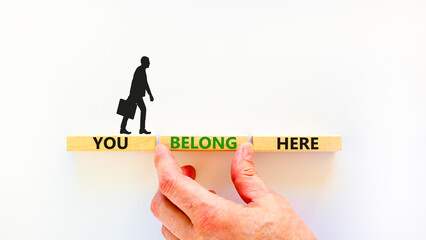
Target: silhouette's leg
{"type": "Point", "coordinates": [123, 126]}
{"type": "Point", "coordinates": [126, 118]}
{"type": "Point", "coordinates": [142, 107]}
{"type": "Point", "coordinates": [124, 122]}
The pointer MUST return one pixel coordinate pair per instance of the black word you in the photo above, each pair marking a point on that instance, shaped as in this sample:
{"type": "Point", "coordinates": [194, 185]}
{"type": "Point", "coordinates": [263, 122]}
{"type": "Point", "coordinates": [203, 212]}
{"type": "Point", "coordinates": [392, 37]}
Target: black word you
{"type": "Point", "coordinates": [110, 142]}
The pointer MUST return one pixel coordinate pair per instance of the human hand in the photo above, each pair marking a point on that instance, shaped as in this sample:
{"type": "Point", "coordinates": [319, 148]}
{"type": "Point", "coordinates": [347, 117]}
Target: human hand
{"type": "Point", "coordinates": [189, 211]}
{"type": "Point", "coordinates": [151, 98]}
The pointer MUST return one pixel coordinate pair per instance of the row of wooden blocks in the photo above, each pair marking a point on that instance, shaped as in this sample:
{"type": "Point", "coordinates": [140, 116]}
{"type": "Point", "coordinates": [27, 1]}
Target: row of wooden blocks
{"type": "Point", "coordinates": [205, 143]}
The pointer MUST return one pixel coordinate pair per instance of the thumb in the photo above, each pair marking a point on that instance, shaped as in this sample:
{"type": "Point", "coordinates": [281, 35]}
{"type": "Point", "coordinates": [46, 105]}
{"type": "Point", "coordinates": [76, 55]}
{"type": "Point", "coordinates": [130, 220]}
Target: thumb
{"type": "Point", "coordinates": [246, 180]}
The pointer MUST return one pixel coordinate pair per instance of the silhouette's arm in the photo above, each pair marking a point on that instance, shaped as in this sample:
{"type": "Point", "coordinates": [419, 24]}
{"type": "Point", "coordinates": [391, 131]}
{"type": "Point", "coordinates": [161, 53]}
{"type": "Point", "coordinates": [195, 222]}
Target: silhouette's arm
{"type": "Point", "coordinates": [148, 90]}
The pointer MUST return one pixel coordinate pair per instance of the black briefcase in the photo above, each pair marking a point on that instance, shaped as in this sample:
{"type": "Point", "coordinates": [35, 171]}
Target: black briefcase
{"type": "Point", "coordinates": [126, 108]}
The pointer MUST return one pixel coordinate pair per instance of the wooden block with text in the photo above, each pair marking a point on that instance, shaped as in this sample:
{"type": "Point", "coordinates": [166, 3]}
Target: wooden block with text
{"type": "Point", "coordinates": [297, 144]}
{"type": "Point", "coordinates": [203, 143]}
{"type": "Point", "coordinates": [111, 143]}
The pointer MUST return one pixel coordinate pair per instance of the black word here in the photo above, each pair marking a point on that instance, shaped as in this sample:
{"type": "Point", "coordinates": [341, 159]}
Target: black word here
{"type": "Point", "coordinates": [111, 142]}
{"type": "Point", "coordinates": [297, 143]}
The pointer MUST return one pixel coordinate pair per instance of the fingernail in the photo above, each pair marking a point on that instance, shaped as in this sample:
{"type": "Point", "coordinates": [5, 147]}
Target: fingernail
{"type": "Point", "coordinates": [157, 148]}
{"type": "Point", "coordinates": [247, 151]}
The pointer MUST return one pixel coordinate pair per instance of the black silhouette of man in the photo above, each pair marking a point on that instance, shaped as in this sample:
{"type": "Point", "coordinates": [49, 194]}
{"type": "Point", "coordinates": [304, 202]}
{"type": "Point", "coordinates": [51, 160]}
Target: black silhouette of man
{"type": "Point", "coordinates": [137, 92]}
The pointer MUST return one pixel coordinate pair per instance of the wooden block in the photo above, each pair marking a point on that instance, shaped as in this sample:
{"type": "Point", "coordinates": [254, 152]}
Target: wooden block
{"type": "Point", "coordinates": [297, 144]}
{"type": "Point", "coordinates": [203, 143]}
{"type": "Point", "coordinates": [111, 143]}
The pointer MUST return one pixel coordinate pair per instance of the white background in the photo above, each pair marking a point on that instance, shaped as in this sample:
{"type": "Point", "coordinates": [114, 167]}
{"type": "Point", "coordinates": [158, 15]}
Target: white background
{"type": "Point", "coordinates": [350, 68]}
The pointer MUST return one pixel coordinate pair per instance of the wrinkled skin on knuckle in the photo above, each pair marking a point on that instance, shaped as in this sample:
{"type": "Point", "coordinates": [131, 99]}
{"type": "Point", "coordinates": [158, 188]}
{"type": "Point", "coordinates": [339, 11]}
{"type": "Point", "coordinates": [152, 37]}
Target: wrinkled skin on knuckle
{"type": "Point", "coordinates": [248, 172]}
{"type": "Point", "coordinates": [244, 174]}
{"type": "Point", "coordinates": [243, 179]}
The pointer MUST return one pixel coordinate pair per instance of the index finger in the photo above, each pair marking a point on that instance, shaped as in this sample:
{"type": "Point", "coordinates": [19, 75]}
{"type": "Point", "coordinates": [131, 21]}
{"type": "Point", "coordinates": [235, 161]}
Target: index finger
{"type": "Point", "coordinates": [181, 190]}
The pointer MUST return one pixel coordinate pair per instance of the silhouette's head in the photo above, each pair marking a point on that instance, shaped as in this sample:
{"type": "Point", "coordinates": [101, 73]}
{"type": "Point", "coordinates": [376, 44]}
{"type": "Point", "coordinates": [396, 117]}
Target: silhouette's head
{"type": "Point", "coordinates": [145, 62]}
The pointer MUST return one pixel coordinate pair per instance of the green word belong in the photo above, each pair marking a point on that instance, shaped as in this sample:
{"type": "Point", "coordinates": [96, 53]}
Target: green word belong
{"type": "Point", "coordinates": [203, 143]}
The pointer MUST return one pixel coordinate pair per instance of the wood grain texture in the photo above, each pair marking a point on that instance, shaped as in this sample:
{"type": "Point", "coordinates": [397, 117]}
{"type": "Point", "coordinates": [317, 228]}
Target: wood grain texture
{"type": "Point", "coordinates": [203, 143]}
{"type": "Point", "coordinates": [111, 143]}
{"type": "Point", "coordinates": [297, 143]}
